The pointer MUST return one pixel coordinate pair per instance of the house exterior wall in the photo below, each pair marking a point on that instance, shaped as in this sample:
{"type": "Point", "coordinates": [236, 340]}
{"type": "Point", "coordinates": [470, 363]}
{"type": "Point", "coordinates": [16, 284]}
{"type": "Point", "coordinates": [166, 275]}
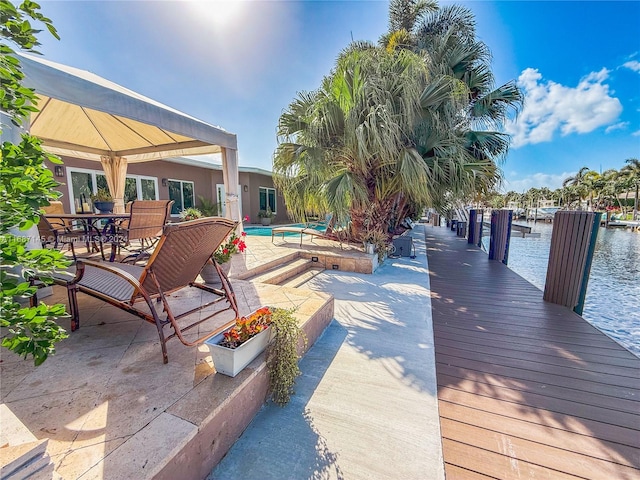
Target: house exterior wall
{"type": "Point", "coordinates": [205, 181]}
{"type": "Point", "coordinates": [251, 198]}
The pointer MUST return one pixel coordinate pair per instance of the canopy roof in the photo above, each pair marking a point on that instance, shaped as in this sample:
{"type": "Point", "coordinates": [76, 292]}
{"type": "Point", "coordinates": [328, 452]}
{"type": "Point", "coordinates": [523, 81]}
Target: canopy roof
{"type": "Point", "coordinates": [86, 116]}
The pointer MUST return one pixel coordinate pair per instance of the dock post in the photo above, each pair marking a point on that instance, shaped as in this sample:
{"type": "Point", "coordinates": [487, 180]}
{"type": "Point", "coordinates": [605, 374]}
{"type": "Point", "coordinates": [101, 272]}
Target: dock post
{"type": "Point", "coordinates": [500, 235]}
{"type": "Point", "coordinates": [572, 245]}
{"type": "Point", "coordinates": [475, 227]}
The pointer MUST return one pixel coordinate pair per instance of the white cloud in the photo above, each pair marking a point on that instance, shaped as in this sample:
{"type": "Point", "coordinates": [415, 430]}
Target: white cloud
{"type": "Point", "coordinates": [633, 65]}
{"type": "Point", "coordinates": [537, 180]}
{"type": "Point", "coordinates": [617, 126]}
{"type": "Point", "coordinates": [550, 107]}
{"type": "Point", "coordinates": [636, 133]}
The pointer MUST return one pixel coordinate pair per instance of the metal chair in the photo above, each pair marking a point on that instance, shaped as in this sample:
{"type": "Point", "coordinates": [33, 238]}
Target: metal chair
{"type": "Point", "coordinates": [61, 231]}
{"type": "Point", "coordinates": [144, 227]}
{"type": "Point", "coordinates": [182, 251]}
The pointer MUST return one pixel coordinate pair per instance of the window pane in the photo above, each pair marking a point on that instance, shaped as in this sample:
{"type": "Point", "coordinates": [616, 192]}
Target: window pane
{"type": "Point", "coordinates": [263, 198]}
{"type": "Point", "coordinates": [272, 199]}
{"type": "Point", "coordinates": [101, 181]}
{"type": "Point", "coordinates": [130, 190]}
{"type": "Point", "coordinates": [148, 189]}
{"type": "Point", "coordinates": [187, 193]}
{"type": "Point", "coordinates": [81, 184]}
{"type": "Point", "coordinates": [176, 196]}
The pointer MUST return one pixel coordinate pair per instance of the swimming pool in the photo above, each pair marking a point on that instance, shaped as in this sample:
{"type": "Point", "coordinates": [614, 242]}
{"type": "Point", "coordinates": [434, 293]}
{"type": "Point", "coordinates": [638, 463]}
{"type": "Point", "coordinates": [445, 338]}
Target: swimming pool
{"type": "Point", "coordinates": [260, 231]}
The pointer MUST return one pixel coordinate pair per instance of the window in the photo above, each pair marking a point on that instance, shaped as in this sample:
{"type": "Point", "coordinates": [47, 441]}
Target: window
{"type": "Point", "coordinates": [138, 187]}
{"type": "Point", "coordinates": [268, 198]}
{"type": "Point", "coordinates": [181, 192]}
{"type": "Point", "coordinates": [84, 182]}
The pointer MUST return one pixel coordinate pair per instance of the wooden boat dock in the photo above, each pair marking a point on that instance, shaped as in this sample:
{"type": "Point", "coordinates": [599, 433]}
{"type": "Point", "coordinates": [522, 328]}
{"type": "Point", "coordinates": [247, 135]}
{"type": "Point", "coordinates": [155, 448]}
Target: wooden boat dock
{"type": "Point", "coordinates": [526, 388]}
{"type": "Point", "coordinates": [523, 230]}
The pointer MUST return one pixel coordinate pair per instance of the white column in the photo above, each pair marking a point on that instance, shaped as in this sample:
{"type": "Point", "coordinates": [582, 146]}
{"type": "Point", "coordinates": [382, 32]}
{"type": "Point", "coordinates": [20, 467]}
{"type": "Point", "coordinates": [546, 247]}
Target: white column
{"type": "Point", "coordinates": [231, 178]}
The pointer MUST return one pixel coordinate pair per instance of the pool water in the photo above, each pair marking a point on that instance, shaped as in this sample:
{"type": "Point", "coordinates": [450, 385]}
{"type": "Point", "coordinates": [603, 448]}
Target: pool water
{"type": "Point", "coordinates": [261, 231]}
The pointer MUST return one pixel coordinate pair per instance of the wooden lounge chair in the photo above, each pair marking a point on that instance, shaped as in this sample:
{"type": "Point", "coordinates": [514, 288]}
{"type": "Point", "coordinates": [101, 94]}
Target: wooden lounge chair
{"type": "Point", "coordinates": [182, 251]}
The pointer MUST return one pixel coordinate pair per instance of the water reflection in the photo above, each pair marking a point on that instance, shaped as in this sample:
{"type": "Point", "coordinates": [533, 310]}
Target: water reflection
{"type": "Point", "coordinates": [613, 294]}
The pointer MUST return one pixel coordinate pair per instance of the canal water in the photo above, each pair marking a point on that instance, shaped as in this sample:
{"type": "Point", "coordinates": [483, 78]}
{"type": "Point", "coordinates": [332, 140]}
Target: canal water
{"type": "Point", "coordinates": [613, 293]}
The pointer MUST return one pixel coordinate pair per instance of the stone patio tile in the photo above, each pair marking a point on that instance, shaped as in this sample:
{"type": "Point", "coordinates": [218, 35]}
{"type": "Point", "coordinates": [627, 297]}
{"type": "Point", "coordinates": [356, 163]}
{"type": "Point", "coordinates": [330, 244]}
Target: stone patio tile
{"type": "Point", "coordinates": [106, 314]}
{"type": "Point", "coordinates": [73, 464]}
{"type": "Point", "coordinates": [146, 452]}
{"type": "Point", "coordinates": [13, 374]}
{"type": "Point", "coordinates": [311, 305]}
{"type": "Point", "coordinates": [202, 402]}
{"type": "Point", "coordinates": [56, 415]}
{"type": "Point", "coordinates": [91, 337]}
{"type": "Point", "coordinates": [84, 369]}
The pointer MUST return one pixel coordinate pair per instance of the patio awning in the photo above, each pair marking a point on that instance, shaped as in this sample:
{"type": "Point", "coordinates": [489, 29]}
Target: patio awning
{"type": "Point", "coordinates": [86, 116]}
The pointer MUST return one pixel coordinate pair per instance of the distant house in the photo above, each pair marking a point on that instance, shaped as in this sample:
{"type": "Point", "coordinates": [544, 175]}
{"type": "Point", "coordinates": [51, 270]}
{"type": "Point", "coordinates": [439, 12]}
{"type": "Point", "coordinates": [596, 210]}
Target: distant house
{"type": "Point", "coordinates": [182, 179]}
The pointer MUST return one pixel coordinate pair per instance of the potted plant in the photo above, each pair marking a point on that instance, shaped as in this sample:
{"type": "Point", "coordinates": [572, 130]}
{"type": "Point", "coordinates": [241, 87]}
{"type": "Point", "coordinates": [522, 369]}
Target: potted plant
{"type": "Point", "coordinates": [376, 241]}
{"type": "Point", "coordinates": [266, 216]}
{"type": "Point", "coordinates": [234, 349]}
{"type": "Point", "coordinates": [102, 200]}
{"type": "Point", "coordinates": [276, 329]}
{"type": "Point", "coordinates": [282, 354]}
{"type": "Point", "coordinates": [190, 213]}
{"type": "Point", "coordinates": [232, 244]}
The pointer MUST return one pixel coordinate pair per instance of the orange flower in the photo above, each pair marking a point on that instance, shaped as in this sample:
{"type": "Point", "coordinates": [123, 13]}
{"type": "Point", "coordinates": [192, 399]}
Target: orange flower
{"type": "Point", "coordinates": [247, 327]}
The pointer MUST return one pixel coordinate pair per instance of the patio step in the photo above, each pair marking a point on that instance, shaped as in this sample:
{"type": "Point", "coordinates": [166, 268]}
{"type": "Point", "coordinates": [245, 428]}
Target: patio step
{"type": "Point", "coordinates": [303, 277]}
{"type": "Point", "coordinates": [264, 267]}
{"type": "Point", "coordinates": [282, 272]}
{"type": "Point", "coordinates": [22, 455]}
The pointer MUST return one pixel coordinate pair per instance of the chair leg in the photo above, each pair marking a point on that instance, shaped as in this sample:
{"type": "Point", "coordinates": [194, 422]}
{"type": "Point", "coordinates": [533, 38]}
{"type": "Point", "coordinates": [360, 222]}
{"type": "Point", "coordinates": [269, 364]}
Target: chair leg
{"type": "Point", "coordinates": [72, 296]}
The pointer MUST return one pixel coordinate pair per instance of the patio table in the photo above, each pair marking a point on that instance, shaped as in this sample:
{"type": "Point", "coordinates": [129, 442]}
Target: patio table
{"type": "Point", "coordinates": [93, 225]}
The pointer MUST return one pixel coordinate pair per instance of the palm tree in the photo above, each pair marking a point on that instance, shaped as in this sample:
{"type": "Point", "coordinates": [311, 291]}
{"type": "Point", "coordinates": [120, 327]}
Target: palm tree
{"type": "Point", "coordinates": [577, 182]}
{"type": "Point", "coordinates": [404, 15]}
{"type": "Point", "coordinates": [632, 171]}
{"type": "Point", "coordinates": [396, 128]}
{"type": "Point", "coordinates": [592, 182]}
{"type": "Point", "coordinates": [347, 148]}
{"type": "Point", "coordinates": [610, 188]}
{"type": "Point", "coordinates": [459, 131]}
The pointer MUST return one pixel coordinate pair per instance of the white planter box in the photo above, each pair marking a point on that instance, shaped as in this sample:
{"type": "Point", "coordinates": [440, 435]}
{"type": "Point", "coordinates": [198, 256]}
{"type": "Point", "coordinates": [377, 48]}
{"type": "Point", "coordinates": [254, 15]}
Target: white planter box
{"type": "Point", "coordinates": [230, 361]}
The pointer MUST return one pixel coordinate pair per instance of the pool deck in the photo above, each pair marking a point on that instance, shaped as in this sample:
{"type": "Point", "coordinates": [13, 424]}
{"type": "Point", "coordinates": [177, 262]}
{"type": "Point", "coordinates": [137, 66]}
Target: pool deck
{"type": "Point", "coordinates": [106, 396]}
{"type": "Point", "coordinates": [500, 385]}
{"type": "Point", "coordinates": [526, 388]}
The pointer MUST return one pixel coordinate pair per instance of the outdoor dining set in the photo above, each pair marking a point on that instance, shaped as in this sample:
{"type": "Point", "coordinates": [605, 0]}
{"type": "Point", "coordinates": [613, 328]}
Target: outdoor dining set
{"type": "Point", "coordinates": [161, 258]}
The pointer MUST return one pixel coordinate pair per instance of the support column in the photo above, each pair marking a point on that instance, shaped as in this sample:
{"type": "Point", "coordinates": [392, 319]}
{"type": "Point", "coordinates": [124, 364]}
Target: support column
{"type": "Point", "coordinates": [231, 178]}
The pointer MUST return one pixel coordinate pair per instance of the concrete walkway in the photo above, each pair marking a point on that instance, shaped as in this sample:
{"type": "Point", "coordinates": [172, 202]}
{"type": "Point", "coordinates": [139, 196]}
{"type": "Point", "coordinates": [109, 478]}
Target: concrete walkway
{"type": "Point", "coordinates": [365, 406]}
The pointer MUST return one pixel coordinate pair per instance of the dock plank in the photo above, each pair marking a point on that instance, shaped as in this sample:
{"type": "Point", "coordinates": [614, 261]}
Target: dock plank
{"type": "Point", "coordinates": [526, 388]}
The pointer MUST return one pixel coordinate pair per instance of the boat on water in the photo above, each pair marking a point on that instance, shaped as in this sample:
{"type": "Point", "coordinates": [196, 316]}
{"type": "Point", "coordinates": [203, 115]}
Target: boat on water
{"type": "Point", "coordinates": [542, 213]}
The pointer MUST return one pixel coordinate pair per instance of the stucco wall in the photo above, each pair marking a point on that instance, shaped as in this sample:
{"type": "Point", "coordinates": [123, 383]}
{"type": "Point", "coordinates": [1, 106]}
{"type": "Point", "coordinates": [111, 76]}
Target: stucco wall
{"type": "Point", "coordinates": [205, 181]}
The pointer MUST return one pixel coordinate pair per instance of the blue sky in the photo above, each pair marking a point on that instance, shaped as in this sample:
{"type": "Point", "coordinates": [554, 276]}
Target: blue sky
{"type": "Point", "coordinates": [238, 65]}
